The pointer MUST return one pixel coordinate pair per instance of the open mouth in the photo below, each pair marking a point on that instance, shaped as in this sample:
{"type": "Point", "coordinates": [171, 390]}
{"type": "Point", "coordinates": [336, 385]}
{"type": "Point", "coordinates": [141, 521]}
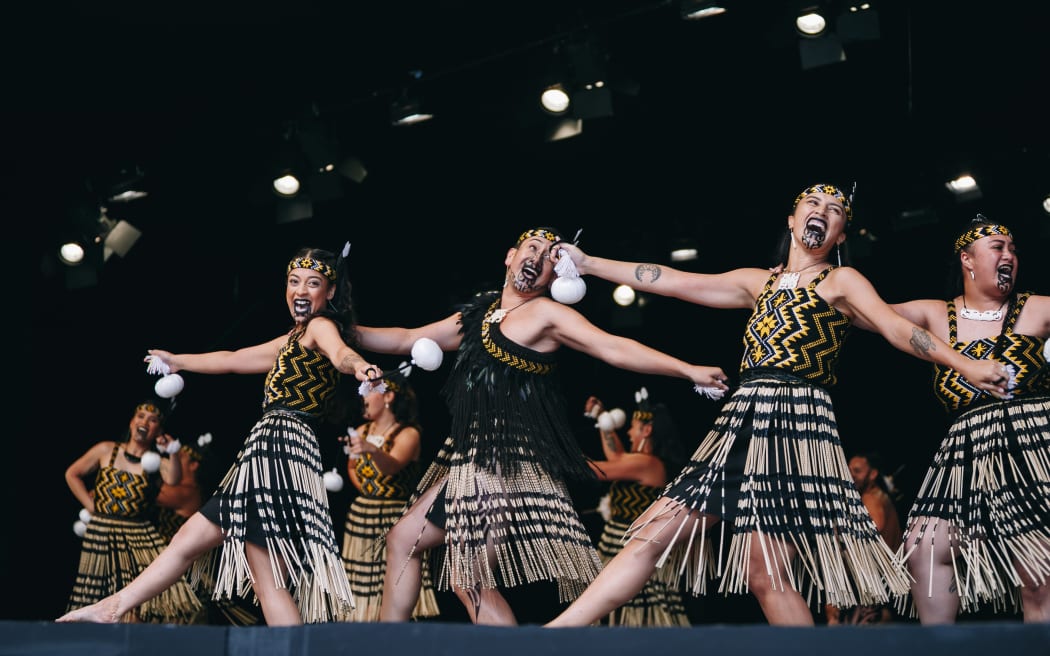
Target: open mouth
{"type": "Point", "coordinates": [301, 307]}
{"type": "Point", "coordinates": [817, 226]}
{"type": "Point", "coordinates": [530, 272]}
{"type": "Point", "coordinates": [141, 432]}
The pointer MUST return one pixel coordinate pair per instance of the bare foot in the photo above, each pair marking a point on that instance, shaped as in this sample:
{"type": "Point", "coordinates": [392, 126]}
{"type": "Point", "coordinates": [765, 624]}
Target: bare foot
{"type": "Point", "coordinates": [101, 612]}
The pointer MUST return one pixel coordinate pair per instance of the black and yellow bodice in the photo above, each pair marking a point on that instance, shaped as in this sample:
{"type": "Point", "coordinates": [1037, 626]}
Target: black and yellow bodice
{"type": "Point", "coordinates": [301, 379]}
{"type": "Point", "coordinates": [377, 485]}
{"type": "Point", "coordinates": [1024, 352]}
{"type": "Point", "coordinates": [796, 331]}
{"type": "Point", "coordinates": [121, 493]}
{"type": "Point", "coordinates": [629, 499]}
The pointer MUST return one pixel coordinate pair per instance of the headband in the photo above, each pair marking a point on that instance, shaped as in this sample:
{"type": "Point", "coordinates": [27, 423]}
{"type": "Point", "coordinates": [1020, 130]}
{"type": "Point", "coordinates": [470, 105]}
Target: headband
{"type": "Point", "coordinates": [314, 265]}
{"type": "Point", "coordinates": [980, 232]}
{"type": "Point", "coordinates": [539, 232]}
{"type": "Point", "coordinates": [831, 190]}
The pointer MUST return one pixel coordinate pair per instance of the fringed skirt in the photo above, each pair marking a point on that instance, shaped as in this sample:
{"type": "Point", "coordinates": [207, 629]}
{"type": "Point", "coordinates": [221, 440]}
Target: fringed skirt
{"type": "Point", "coordinates": [990, 482]}
{"type": "Point", "coordinates": [364, 557]}
{"type": "Point", "coordinates": [115, 551]}
{"type": "Point", "coordinates": [274, 495]}
{"type": "Point", "coordinates": [657, 604]}
{"type": "Point", "coordinates": [528, 519]}
{"type": "Point", "coordinates": [793, 490]}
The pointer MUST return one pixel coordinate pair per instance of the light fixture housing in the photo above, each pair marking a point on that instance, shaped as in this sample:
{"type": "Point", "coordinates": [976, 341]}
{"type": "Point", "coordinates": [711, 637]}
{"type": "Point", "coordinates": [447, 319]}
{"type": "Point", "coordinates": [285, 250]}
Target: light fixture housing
{"type": "Point", "coordinates": [700, 9]}
{"type": "Point", "coordinates": [408, 110]}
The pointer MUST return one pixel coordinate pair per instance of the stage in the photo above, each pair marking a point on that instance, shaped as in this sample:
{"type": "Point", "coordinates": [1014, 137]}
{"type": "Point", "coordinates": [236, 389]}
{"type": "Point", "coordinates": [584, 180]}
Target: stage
{"type": "Point", "coordinates": [457, 639]}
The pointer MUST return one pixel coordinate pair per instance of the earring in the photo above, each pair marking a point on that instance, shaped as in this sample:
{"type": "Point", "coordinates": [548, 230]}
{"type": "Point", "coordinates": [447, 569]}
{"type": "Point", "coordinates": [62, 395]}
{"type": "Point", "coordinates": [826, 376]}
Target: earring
{"type": "Point", "coordinates": [386, 405]}
{"type": "Point", "coordinates": [971, 275]}
{"type": "Point", "coordinates": [838, 253]}
{"type": "Point", "coordinates": [794, 244]}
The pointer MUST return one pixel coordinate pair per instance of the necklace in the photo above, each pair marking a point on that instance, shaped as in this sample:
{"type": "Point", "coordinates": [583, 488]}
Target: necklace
{"type": "Point", "coordinates": [987, 315]}
{"type": "Point", "coordinates": [788, 279]}
{"type": "Point", "coordinates": [384, 431]}
{"type": "Point", "coordinates": [498, 314]}
{"type": "Point", "coordinates": [131, 457]}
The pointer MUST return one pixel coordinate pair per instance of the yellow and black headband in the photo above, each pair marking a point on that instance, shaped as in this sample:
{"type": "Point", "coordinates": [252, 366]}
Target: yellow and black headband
{"type": "Point", "coordinates": [545, 233]}
{"type": "Point", "coordinates": [831, 190]}
{"type": "Point", "coordinates": [980, 232]}
{"type": "Point", "coordinates": [314, 265]}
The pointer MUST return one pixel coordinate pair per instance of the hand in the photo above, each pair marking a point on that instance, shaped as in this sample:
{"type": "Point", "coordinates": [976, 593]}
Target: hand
{"type": "Point", "coordinates": [359, 445]}
{"type": "Point", "coordinates": [592, 407]}
{"type": "Point", "coordinates": [710, 377]}
{"type": "Point", "coordinates": [366, 371]}
{"type": "Point", "coordinates": [991, 376]}
{"type": "Point", "coordinates": [573, 251]}
{"type": "Point", "coordinates": [166, 357]}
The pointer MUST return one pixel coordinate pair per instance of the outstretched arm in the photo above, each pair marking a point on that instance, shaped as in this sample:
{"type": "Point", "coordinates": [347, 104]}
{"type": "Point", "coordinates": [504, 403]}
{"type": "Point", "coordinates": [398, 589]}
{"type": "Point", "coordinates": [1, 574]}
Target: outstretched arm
{"type": "Point", "coordinates": [256, 359]}
{"type": "Point", "coordinates": [399, 341]}
{"type": "Point", "coordinates": [863, 303]}
{"type": "Point", "coordinates": [733, 289]}
{"type": "Point", "coordinates": [572, 329]}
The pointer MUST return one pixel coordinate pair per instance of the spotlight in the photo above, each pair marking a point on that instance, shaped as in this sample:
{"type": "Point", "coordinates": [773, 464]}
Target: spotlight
{"type": "Point", "coordinates": [811, 21]}
{"type": "Point", "coordinates": [407, 110]}
{"type": "Point", "coordinates": [286, 184]}
{"type": "Point", "coordinates": [71, 253]}
{"type": "Point", "coordinates": [697, 9]}
{"type": "Point", "coordinates": [964, 187]}
{"type": "Point", "coordinates": [1046, 204]}
{"type": "Point", "coordinates": [555, 99]}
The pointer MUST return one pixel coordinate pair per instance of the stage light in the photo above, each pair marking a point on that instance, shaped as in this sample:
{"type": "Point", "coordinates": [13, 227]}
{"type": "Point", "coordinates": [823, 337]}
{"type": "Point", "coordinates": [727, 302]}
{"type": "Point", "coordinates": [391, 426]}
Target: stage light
{"type": "Point", "coordinates": [286, 184]}
{"type": "Point", "coordinates": [555, 99]}
{"type": "Point", "coordinates": [71, 253]}
{"type": "Point", "coordinates": [698, 9]}
{"type": "Point", "coordinates": [408, 110]}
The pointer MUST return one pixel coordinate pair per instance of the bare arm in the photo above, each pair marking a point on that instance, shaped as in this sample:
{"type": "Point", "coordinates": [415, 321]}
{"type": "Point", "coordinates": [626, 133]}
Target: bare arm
{"type": "Point", "coordinates": [857, 298]}
{"type": "Point", "coordinates": [733, 289]}
{"type": "Point", "coordinates": [572, 329]}
{"type": "Point", "coordinates": [256, 359]}
{"type": "Point", "coordinates": [322, 334]}
{"type": "Point", "coordinates": [399, 341]}
{"type": "Point", "coordinates": [405, 450]}
{"type": "Point", "coordinates": [81, 467]}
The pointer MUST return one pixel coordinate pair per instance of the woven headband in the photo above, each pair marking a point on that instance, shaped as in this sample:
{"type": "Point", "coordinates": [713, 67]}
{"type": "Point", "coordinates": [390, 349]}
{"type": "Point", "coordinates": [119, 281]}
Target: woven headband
{"type": "Point", "coordinates": [314, 265]}
{"type": "Point", "coordinates": [539, 232]}
{"type": "Point", "coordinates": [831, 190]}
{"type": "Point", "coordinates": [980, 232]}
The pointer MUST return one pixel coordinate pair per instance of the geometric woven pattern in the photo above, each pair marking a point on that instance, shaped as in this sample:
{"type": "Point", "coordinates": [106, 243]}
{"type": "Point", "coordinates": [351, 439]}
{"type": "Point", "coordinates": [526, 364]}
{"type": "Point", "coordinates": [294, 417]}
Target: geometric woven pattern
{"type": "Point", "coordinates": [796, 330]}
{"type": "Point", "coordinates": [301, 379]}
{"type": "Point", "coordinates": [1024, 352]}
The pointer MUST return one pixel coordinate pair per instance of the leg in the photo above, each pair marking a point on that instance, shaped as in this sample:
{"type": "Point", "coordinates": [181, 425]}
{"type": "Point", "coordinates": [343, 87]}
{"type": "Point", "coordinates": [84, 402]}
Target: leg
{"type": "Point", "coordinates": [277, 604]}
{"type": "Point", "coordinates": [1035, 596]}
{"type": "Point", "coordinates": [196, 536]}
{"type": "Point", "coordinates": [768, 581]}
{"type": "Point", "coordinates": [487, 605]}
{"type": "Point", "coordinates": [625, 575]}
{"type": "Point", "coordinates": [930, 564]}
{"type": "Point", "coordinates": [404, 567]}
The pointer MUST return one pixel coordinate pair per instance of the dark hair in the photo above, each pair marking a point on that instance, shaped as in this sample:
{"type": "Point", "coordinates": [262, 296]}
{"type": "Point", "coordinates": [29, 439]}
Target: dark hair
{"type": "Point", "coordinates": [340, 309]}
{"type": "Point", "coordinates": [405, 405]}
{"type": "Point", "coordinates": [667, 443]}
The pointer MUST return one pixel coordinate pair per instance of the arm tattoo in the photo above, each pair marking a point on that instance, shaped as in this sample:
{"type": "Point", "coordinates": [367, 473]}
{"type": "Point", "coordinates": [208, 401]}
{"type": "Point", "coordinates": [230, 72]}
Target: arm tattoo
{"type": "Point", "coordinates": [921, 342]}
{"type": "Point", "coordinates": [643, 270]}
{"type": "Point", "coordinates": [612, 442]}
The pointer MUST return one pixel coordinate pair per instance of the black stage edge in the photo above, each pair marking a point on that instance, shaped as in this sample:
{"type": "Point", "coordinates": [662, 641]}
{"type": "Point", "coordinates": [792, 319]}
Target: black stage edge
{"type": "Point", "coordinates": [456, 639]}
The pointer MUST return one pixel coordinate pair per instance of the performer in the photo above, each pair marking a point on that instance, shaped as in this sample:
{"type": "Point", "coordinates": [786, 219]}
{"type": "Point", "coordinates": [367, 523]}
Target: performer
{"type": "Point", "coordinates": [979, 530]}
{"type": "Point", "coordinates": [638, 475]}
{"type": "Point", "coordinates": [270, 513]}
{"type": "Point", "coordinates": [121, 539]}
{"type": "Point", "coordinates": [772, 466]}
{"type": "Point", "coordinates": [384, 468]}
{"type": "Point", "coordinates": [495, 500]}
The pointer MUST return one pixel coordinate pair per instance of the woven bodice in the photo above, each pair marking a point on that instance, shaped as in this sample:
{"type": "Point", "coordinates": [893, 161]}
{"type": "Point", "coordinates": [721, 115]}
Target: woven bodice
{"type": "Point", "coordinates": [122, 493]}
{"type": "Point", "coordinates": [1024, 352]}
{"type": "Point", "coordinates": [797, 331]}
{"type": "Point", "coordinates": [377, 485]}
{"type": "Point", "coordinates": [301, 379]}
{"type": "Point", "coordinates": [629, 499]}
